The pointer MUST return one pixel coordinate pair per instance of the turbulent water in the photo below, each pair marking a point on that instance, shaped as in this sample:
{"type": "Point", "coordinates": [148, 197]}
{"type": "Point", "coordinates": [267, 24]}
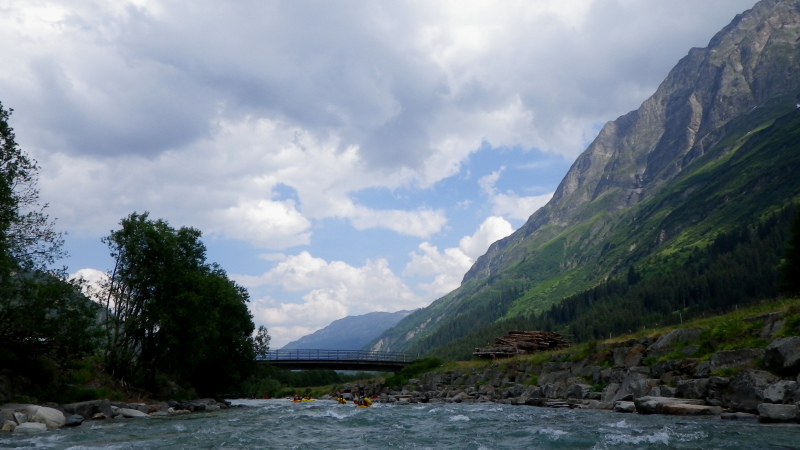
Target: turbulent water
{"type": "Point", "coordinates": [328, 425]}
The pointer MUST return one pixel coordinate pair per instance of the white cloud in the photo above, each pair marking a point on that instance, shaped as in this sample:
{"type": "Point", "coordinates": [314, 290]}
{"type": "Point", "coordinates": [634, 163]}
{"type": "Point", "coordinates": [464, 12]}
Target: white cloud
{"type": "Point", "coordinates": [422, 223]}
{"type": "Point", "coordinates": [449, 266]}
{"type": "Point", "coordinates": [508, 203]}
{"type": "Point", "coordinates": [331, 290]}
{"type": "Point", "coordinates": [92, 280]}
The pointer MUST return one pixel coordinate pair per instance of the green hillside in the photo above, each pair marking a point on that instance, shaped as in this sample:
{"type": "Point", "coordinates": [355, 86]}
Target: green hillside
{"type": "Point", "coordinates": [677, 209]}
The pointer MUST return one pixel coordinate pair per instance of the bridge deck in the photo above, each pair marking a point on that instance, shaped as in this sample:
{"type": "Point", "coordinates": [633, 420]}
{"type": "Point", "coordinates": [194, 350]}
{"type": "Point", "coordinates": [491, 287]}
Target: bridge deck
{"type": "Point", "coordinates": [338, 360]}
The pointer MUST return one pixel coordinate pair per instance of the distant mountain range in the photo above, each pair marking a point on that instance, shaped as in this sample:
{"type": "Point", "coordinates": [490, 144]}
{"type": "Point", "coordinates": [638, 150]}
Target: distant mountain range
{"type": "Point", "coordinates": [349, 333]}
{"type": "Point", "coordinates": [678, 208]}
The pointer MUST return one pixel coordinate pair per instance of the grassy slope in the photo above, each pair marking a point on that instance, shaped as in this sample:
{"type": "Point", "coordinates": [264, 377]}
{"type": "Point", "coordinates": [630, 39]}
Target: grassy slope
{"type": "Point", "coordinates": [748, 175]}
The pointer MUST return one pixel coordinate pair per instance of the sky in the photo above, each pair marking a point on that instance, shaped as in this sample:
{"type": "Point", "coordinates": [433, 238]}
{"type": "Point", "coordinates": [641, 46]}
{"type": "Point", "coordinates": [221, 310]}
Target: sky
{"type": "Point", "coordinates": [339, 157]}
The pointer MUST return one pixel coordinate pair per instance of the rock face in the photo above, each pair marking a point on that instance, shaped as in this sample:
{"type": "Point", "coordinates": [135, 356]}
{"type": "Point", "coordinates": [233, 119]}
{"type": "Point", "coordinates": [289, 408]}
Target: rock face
{"type": "Point", "coordinates": [746, 64]}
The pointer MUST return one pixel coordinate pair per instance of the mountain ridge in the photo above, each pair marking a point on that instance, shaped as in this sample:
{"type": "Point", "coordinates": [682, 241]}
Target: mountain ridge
{"type": "Point", "coordinates": [349, 333]}
{"type": "Point", "coordinates": [708, 106]}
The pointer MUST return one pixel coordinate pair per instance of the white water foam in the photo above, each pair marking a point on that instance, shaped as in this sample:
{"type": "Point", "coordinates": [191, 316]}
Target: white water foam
{"type": "Point", "coordinates": [459, 418]}
{"type": "Point", "coordinates": [552, 432]}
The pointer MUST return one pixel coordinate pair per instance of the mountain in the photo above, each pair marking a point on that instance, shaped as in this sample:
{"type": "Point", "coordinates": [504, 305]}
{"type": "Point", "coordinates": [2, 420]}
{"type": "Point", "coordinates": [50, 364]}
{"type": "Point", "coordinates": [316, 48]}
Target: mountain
{"type": "Point", "coordinates": [349, 333]}
{"type": "Point", "coordinates": [714, 153]}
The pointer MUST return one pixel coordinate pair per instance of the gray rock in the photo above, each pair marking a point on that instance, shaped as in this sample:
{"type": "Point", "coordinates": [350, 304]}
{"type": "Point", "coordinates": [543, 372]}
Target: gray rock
{"type": "Point", "coordinates": [130, 413]}
{"type": "Point", "coordinates": [624, 407]}
{"type": "Point", "coordinates": [666, 343]}
{"type": "Point", "coordinates": [769, 413]}
{"type": "Point", "coordinates": [741, 358]}
{"type": "Point", "coordinates": [578, 391]}
{"type": "Point", "coordinates": [20, 417]}
{"type": "Point", "coordinates": [655, 405]}
{"type": "Point", "coordinates": [685, 409]}
{"type": "Point", "coordinates": [697, 388]}
{"type": "Point", "coordinates": [8, 426]}
{"type": "Point", "coordinates": [73, 420]}
{"type": "Point", "coordinates": [30, 427]}
{"type": "Point", "coordinates": [89, 408]}
{"type": "Point", "coordinates": [746, 390]}
{"type": "Point", "coordinates": [628, 356]}
{"type": "Point", "coordinates": [777, 392]}
{"type": "Point", "coordinates": [50, 417]}
{"type": "Point", "coordinates": [609, 392]}
{"type": "Point", "coordinates": [637, 383]}
{"type": "Point", "coordinates": [783, 354]}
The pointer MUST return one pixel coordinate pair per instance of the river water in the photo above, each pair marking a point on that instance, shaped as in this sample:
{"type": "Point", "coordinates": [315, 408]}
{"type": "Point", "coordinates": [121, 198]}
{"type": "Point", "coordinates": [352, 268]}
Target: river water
{"type": "Point", "coordinates": [281, 424]}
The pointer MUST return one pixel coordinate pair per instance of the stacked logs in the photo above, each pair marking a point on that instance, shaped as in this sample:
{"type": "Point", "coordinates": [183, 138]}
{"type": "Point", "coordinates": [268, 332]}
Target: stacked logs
{"type": "Point", "coordinates": [522, 343]}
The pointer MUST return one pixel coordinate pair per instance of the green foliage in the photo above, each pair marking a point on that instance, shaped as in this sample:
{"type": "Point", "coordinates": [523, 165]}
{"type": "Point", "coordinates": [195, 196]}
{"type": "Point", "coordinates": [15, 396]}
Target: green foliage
{"type": "Point", "coordinates": [413, 370]}
{"type": "Point", "coordinates": [168, 311]}
{"type": "Point", "coordinates": [45, 322]}
{"type": "Point", "coordinates": [726, 372]}
{"type": "Point", "coordinates": [790, 269]}
{"type": "Point", "coordinates": [261, 342]}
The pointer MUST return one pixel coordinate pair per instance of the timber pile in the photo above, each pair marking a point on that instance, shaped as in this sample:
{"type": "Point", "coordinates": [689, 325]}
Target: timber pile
{"type": "Point", "coordinates": [522, 343]}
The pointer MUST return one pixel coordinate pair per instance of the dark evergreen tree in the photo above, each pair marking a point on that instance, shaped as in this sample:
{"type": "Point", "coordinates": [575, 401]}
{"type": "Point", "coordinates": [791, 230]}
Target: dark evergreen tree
{"type": "Point", "coordinates": [790, 270]}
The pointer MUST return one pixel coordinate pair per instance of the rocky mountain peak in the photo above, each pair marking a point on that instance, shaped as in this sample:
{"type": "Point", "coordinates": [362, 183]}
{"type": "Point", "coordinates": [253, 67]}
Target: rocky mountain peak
{"type": "Point", "coordinates": [746, 65]}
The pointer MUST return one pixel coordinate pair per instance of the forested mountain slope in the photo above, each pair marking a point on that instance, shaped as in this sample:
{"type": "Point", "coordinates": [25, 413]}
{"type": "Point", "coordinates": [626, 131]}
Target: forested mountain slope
{"type": "Point", "coordinates": [713, 150]}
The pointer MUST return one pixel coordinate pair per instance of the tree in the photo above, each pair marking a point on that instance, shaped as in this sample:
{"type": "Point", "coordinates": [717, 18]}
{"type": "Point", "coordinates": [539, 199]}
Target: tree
{"type": "Point", "coordinates": [42, 316]}
{"type": "Point", "coordinates": [261, 342]}
{"type": "Point", "coordinates": [790, 282]}
{"type": "Point", "coordinates": [27, 235]}
{"type": "Point", "coordinates": [170, 312]}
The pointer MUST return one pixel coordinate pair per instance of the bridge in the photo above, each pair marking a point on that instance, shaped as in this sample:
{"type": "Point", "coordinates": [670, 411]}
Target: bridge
{"type": "Point", "coordinates": [337, 360]}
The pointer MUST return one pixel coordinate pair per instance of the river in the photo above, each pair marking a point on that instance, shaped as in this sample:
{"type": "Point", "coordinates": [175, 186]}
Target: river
{"type": "Point", "coordinates": [281, 424]}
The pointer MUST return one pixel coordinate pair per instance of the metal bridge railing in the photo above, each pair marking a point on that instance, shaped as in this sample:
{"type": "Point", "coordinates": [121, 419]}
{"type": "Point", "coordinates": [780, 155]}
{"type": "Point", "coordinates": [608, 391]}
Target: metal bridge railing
{"type": "Point", "coordinates": [335, 355]}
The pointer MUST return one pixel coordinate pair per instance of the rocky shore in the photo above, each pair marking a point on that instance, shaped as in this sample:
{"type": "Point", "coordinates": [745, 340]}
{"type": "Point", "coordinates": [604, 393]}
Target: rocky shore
{"type": "Point", "coordinates": [20, 418]}
{"type": "Point", "coordinates": [649, 375]}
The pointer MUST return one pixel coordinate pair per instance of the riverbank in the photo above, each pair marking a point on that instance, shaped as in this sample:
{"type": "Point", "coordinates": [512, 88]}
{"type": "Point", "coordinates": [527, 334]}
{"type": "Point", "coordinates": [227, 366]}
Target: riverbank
{"type": "Point", "coordinates": [736, 366]}
{"type": "Point", "coordinates": [35, 418]}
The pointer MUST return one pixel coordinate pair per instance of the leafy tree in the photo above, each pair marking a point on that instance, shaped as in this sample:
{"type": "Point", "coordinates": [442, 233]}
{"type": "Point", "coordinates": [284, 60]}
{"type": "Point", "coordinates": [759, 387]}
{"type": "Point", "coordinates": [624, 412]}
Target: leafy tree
{"type": "Point", "coordinates": [261, 342]}
{"type": "Point", "coordinates": [170, 312]}
{"type": "Point", "coordinates": [790, 270]}
{"type": "Point", "coordinates": [43, 318]}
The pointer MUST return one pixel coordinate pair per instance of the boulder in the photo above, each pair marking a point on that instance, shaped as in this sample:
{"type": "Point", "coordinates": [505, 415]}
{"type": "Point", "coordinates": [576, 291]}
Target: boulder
{"type": "Point", "coordinates": [90, 408]}
{"type": "Point", "coordinates": [30, 427]}
{"type": "Point", "coordinates": [20, 417]}
{"type": "Point", "coordinates": [624, 407]}
{"type": "Point", "coordinates": [8, 426]}
{"type": "Point", "coordinates": [746, 390]}
{"type": "Point", "coordinates": [655, 405]}
{"type": "Point", "coordinates": [578, 391]}
{"type": "Point", "coordinates": [741, 358]}
{"type": "Point", "coordinates": [73, 420]}
{"type": "Point", "coordinates": [667, 342]}
{"type": "Point", "coordinates": [783, 355]}
{"type": "Point", "coordinates": [777, 392]}
{"type": "Point", "coordinates": [697, 388]}
{"type": "Point", "coordinates": [130, 413]}
{"type": "Point", "coordinates": [771, 413]}
{"type": "Point", "coordinates": [636, 384]}
{"type": "Point", "coordinates": [50, 417]}
{"type": "Point", "coordinates": [686, 409]}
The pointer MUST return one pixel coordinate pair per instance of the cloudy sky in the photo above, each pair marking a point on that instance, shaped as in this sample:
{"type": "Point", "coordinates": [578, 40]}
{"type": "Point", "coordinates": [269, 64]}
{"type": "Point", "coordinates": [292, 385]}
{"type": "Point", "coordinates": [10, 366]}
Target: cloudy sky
{"type": "Point", "coordinates": [340, 157]}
